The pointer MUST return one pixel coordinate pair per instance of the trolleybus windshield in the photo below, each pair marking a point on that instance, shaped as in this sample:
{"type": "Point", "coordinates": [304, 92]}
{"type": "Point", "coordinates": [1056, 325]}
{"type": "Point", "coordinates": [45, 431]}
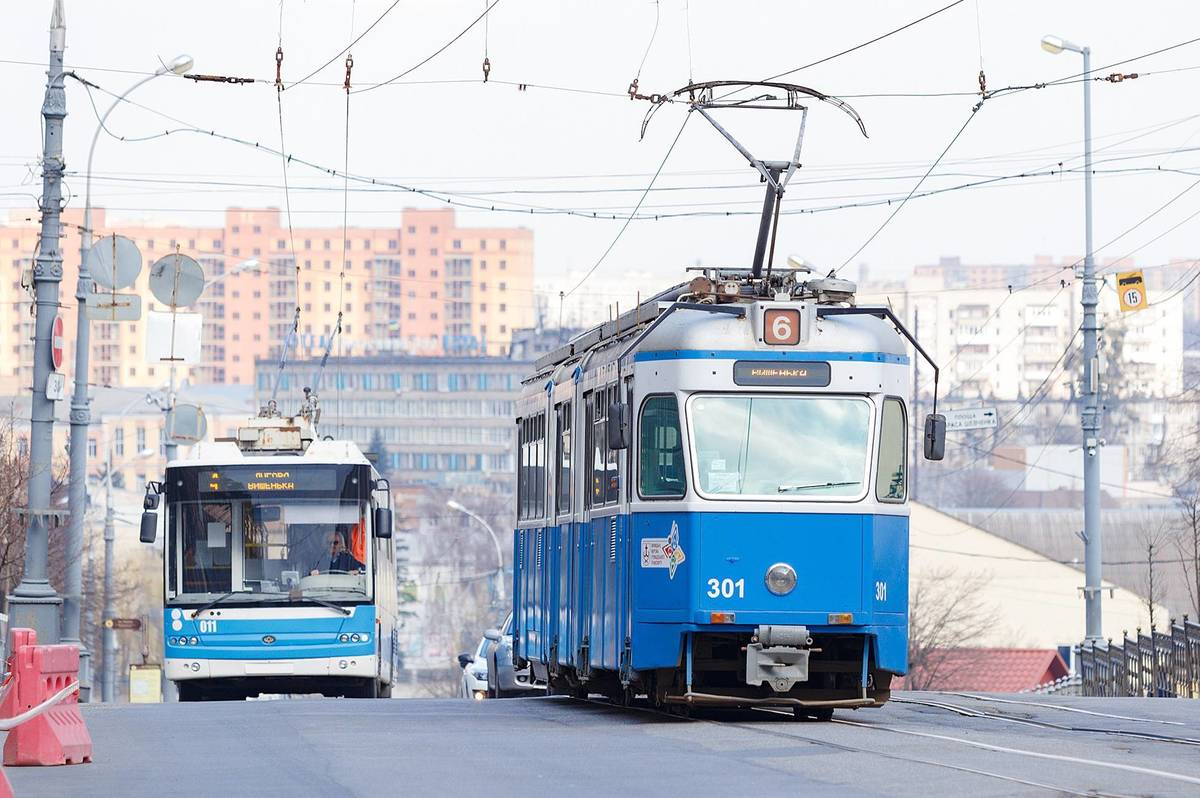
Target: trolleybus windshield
{"type": "Point", "coordinates": [268, 534]}
{"type": "Point", "coordinates": [781, 447]}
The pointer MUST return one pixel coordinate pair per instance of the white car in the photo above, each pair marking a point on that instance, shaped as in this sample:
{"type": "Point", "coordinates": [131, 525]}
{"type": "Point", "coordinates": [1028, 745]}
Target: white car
{"type": "Point", "coordinates": [475, 671]}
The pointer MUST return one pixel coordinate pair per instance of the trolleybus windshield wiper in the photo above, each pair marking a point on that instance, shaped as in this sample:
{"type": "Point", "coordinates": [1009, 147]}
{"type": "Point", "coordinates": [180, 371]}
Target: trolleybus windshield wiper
{"type": "Point", "coordinates": [217, 601]}
{"type": "Point", "coordinates": [299, 595]}
{"type": "Point", "coordinates": [816, 485]}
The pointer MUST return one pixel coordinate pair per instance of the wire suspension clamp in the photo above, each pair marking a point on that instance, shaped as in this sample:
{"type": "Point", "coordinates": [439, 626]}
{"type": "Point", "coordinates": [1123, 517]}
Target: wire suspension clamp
{"type": "Point", "coordinates": [487, 68]}
{"type": "Point", "coordinates": [279, 68]}
{"type": "Point", "coordinates": [349, 66]}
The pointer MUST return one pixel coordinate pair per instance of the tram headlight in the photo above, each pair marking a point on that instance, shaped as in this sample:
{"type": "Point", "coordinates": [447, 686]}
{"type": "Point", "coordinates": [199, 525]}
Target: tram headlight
{"type": "Point", "coordinates": [781, 579]}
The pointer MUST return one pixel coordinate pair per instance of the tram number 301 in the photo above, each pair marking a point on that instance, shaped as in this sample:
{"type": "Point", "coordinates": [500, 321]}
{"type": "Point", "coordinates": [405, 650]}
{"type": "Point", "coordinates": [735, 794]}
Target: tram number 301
{"type": "Point", "coordinates": [726, 588]}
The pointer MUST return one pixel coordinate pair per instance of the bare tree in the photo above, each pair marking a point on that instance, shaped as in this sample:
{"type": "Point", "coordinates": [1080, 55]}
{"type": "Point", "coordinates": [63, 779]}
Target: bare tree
{"type": "Point", "coordinates": [945, 612]}
{"type": "Point", "coordinates": [1154, 537]}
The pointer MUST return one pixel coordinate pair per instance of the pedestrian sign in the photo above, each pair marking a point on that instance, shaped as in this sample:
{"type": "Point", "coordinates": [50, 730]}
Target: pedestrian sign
{"type": "Point", "coordinates": [1131, 289]}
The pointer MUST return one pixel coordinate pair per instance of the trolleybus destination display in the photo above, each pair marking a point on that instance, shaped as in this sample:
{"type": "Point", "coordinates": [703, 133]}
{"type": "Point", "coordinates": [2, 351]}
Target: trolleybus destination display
{"type": "Point", "coordinates": [266, 479]}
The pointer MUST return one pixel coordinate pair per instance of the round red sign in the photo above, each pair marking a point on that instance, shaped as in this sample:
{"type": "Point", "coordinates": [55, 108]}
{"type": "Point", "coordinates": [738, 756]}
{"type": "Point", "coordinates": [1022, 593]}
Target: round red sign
{"type": "Point", "coordinates": [56, 343]}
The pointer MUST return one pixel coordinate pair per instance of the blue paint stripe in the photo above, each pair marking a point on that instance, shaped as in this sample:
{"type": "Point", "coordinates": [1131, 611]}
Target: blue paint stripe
{"type": "Point", "coordinates": [755, 354]}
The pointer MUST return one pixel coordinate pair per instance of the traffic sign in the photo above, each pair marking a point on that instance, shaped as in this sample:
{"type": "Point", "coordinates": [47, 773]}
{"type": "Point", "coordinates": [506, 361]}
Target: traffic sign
{"type": "Point", "coordinates": [114, 307]}
{"type": "Point", "coordinates": [176, 280]}
{"type": "Point", "coordinates": [1131, 289]}
{"type": "Point", "coordinates": [56, 386]}
{"type": "Point", "coordinates": [123, 623]}
{"type": "Point", "coordinates": [56, 343]}
{"type": "Point", "coordinates": [971, 418]}
{"type": "Point", "coordinates": [114, 262]}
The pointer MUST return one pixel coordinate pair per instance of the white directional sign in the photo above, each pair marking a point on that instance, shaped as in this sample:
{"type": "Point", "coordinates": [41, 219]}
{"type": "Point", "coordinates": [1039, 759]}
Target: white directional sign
{"type": "Point", "coordinates": [114, 307]}
{"type": "Point", "coordinates": [971, 418]}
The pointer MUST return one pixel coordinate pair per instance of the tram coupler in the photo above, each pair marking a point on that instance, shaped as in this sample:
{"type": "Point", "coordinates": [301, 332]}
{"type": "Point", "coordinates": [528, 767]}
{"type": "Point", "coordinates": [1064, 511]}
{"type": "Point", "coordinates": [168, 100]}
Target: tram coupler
{"type": "Point", "coordinates": [778, 656]}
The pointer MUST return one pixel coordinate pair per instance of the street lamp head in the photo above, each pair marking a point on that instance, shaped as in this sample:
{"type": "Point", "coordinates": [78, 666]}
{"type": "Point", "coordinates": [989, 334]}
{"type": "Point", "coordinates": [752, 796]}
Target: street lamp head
{"type": "Point", "coordinates": [453, 505]}
{"type": "Point", "coordinates": [1052, 44]}
{"type": "Point", "coordinates": [179, 64]}
{"type": "Point", "coordinates": [1056, 44]}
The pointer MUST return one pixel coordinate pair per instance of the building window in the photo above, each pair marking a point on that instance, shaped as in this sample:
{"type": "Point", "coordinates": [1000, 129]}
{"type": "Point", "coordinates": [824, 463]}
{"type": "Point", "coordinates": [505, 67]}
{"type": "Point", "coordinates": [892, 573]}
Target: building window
{"type": "Point", "coordinates": [412, 229]}
{"type": "Point", "coordinates": [141, 438]}
{"type": "Point", "coordinates": [308, 243]}
{"type": "Point", "coordinates": [257, 229]}
{"type": "Point", "coordinates": [412, 253]}
{"type": "Point", "coordinates": [456, 244]}
{"type": "Point", "coordinates": [503, 244]}
{"type": "Point", "coordinates": [503, 265]}
{"type": "Point", "coordinates": [482, 244]}
{"type": "Point", "coordinates": [433, 252]}
{"type": "Point", "coordinates": [393, 243]}
{"type": "Point", "coordinates": [281, 244]}
{"type": "Point", "coordinates": [119, 441]}
{"type": "Point", "coordinates": [236, 229]}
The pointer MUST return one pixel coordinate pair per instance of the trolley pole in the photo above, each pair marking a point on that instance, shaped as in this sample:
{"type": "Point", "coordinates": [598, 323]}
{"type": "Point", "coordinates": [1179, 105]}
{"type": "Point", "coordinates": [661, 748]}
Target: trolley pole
{"type": "Point", "coordinates": [33, 602]}
{"type": "Point", "coordinates": [1090, 407]}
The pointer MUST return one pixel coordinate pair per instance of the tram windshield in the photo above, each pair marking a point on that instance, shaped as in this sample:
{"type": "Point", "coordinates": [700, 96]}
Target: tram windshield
{"type": "Point", "coordinates": [268, 538]}
{"type": "Point", "coordinates": [781, 447]}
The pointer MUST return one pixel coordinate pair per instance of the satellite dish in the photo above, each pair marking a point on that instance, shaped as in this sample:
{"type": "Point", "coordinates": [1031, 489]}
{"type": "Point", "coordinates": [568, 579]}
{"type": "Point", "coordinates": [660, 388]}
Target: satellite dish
{"type": "Point", "coordinates": [114, 262]}
{"type": "Point", "coordinates": [176, 280]}
{"type": "Point", "coordinates": [186, 424]}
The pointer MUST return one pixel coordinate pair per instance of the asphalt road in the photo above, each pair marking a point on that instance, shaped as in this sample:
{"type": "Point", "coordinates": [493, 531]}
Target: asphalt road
{"type": "Point", "coordinates": [924, 744]}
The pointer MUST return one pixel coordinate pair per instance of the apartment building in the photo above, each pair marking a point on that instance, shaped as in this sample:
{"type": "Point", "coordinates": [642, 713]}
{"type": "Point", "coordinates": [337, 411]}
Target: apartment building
{"type": "Point", "coordinates": [424, 285]}
{"type": "Point", "coordinates": [1000, 332]}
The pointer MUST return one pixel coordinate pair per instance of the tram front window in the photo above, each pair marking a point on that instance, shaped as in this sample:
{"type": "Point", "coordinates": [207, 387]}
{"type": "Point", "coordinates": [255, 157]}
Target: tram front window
{"type": "Point", "coordinates": [781, 447]}
{"type": "Point", "coordinates": [270, 548]}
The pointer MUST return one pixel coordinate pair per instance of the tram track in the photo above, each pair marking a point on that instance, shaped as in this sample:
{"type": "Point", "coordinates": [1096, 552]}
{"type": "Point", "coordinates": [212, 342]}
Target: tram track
{"type": "Point", "coordinates": [777, 733]}
{"type": "Point", "coordinates": [969, 712]}
{"type": "Point", "coordinates": [992, 747]}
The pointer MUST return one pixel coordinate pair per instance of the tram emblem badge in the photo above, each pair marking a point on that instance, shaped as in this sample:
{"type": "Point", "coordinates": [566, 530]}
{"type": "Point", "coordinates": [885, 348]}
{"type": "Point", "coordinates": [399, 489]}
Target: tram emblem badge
{"type": "Point", "coordinates": [664, 552]}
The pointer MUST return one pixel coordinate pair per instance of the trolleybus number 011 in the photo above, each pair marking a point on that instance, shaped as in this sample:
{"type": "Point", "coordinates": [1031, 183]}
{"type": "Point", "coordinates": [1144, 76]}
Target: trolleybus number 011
{"type": "Point", "coordinates": [726, 588]}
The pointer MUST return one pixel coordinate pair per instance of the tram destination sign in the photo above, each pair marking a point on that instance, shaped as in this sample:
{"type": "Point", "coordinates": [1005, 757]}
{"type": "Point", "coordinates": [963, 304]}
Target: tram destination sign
{"type": "Point", "coordinates": [781, 372]}
{"type": "Point", "coordinates": [265, 479]}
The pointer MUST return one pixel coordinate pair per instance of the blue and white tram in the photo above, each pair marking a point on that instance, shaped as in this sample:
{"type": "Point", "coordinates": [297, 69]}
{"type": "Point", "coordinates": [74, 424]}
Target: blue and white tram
{"type": "Point", "coordinates": [713, 500]}
{"type": "Point", "coordinates": [279, 568]}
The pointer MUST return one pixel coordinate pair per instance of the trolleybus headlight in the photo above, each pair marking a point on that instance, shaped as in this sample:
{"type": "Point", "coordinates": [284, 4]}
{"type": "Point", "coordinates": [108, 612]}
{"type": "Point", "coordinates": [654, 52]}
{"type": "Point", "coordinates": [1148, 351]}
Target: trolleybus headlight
{"type": "Point", "coordinates": [182, 641]}
{"type": "Point", "coordinates": [781, 579]}
{"type": "Point", "coordinates": [354, 638]}
{"type": "Point", "coordinates": [195, 667]}
{"type": "Point", "coordinates": [193, 641]}
{"type": "Point", "coordinates": [174, 641]}
{"type": "Point", "coordinates": [345, 638]}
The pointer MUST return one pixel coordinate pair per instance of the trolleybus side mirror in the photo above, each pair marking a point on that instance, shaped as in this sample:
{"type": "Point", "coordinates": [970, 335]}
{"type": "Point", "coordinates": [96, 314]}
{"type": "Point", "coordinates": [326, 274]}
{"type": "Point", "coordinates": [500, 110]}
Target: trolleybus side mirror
{"type": "Point", "coordinates": [149, 526]}
{"type": "Point", "coordinates": [383, 522]}
{"type": "Point", "coordinates": [618, 426]}
{"type": "Point", "coordinates": [935, 436]}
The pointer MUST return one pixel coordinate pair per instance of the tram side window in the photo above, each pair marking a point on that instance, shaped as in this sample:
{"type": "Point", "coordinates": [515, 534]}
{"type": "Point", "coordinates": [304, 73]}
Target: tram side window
{"type": "Point", "coordinates": [563, 456]}
{"type": "Point", "coordinates": [603, 473]}
{"type": "Point", "coordinates": [531, 467]}
{"type": "Point", "coordinates": [661, 471]}
{"type": "Point", "coordinates": [891, 477]}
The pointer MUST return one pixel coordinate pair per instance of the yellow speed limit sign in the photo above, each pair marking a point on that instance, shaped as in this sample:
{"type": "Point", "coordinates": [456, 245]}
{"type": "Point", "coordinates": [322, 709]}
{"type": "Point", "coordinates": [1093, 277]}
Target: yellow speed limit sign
{"type": "Point", "coordinates": [1131, 289]}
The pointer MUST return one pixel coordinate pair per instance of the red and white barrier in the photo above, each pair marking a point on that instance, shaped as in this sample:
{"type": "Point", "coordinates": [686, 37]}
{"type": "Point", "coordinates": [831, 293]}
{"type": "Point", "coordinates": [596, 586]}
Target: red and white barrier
{"type": "Point", "coordinates": [39, 705]}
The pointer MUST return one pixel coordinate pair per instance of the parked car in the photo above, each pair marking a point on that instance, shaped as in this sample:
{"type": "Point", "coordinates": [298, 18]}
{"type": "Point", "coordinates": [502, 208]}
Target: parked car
{"type": "Point", "coordinates": [503, 679]}
{"type": "Point", "coordinates": [475, 671]}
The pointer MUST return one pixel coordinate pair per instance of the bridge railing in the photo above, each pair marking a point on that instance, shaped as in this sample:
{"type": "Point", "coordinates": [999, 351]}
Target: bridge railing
{"type": "Point", "coordinates": [1160, 664]}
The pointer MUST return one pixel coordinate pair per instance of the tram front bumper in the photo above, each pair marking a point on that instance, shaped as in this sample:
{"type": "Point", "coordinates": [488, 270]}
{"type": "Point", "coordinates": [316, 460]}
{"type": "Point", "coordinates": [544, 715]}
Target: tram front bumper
{"type": "Point", "coordinates": [187, 668]}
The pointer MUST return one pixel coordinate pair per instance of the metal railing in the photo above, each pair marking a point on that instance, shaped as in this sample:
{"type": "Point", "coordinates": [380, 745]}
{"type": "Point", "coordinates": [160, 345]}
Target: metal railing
{"type": "Point", "coordinates": [1160, 664]}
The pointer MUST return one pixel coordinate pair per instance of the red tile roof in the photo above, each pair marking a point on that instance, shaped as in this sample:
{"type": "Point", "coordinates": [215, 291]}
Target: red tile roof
{"type": "Point", "coordinates": [987, 670]}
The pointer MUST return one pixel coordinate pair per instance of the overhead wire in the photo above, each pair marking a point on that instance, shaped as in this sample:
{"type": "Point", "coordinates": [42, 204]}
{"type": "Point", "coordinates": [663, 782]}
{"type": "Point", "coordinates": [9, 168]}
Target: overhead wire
{"type": "Point", "coordinates": [347, 48]}
{"type": "Point", "coordinates": [625, 226]}
{"type": "Point", "coordinates": [431, 56]}
{"type": "Point", "coordinates": [292, 335]}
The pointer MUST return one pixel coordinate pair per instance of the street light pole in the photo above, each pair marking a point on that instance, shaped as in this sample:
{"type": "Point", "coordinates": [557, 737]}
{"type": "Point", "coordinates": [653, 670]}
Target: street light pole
{"type": "Point", "coordinates": [33, 602]}
{"type": "Point", "coordinates": [453, 505]}
{"type": "Point", "coordinates": [80, 410]}
{"type": "Point", "coordinates": [1089, 410]}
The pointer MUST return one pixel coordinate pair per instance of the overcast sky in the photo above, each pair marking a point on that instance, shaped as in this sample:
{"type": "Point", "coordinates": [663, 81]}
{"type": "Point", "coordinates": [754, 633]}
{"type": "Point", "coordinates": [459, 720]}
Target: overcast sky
{"type": "Point", "coordinates": [473, 138]}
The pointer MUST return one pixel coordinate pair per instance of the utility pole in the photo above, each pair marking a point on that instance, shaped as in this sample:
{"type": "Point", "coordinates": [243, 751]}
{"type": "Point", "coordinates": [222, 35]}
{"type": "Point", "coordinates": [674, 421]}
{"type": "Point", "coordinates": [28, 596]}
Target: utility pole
{"type": "Point", "coordinates": [1090, 412]}
{"type": "Point", "coordinates": [1089, 394]}
{"type": "Point", "coordinates": [34, 603]}
{"type": "Point", "coordinates": [110, 634]}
